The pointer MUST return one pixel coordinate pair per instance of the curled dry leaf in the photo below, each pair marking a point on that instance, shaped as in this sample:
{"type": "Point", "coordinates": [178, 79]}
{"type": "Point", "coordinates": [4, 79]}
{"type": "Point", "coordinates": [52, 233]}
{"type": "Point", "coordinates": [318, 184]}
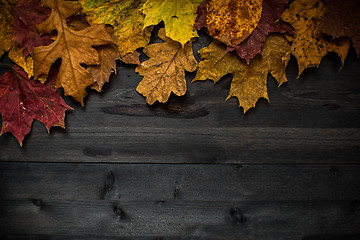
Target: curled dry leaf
{"type": "Point", "coordinates": [249, 80]}
{"type": "Point", "coordinates": [27, 15]}
{"type": "Point", "coordinates": [341, 18]}
{"type": "Point", "coordinates": [271, 12]}
{"type": "Point", "coordinates": [178, 16]}
{"type": "Point", "coordinates": [309, 46]}
{"type": "Point", "coordinates": [75, 48]}
{"type": "Point", "coordinates": [164, 72]}
{"type": "Point", "coordinates": [6, 24]}
{"type": "Point", "coordinates": [22, 100]}
{"type": "Point", "coordinates": [126, 18]}
{"type": "Point", "coordinates": [232, 21]}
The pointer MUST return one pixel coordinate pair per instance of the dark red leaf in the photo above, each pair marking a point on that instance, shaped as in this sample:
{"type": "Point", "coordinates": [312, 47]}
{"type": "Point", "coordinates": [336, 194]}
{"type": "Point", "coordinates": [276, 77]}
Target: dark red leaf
{"type": "Point", "coordinates": [341, 19]}
{"type": "Point", "coordinates": [200, 21]}
{"type": "Point", "coordinates": [22, 100]}
{"type": "Point", "coordinates": [272, 10]}
{"type": "Point", "coordinates": [27, 15]}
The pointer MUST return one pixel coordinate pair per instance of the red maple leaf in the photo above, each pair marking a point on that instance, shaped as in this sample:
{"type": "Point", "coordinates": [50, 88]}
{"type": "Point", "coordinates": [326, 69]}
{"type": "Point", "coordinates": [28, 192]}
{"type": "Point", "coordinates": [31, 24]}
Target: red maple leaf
{"type": "Point", "coordinates": [272, 10]}
{"type": "Point", "coordinates": [23, 99]}
{"type": "Point", "coordinates": [27, 15]}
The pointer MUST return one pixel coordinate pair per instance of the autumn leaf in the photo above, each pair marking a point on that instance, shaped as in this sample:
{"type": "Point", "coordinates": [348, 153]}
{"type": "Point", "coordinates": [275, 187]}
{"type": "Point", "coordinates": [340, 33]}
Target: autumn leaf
{"type": "Point", "coordinates": [178, 16]}
{"type": "Point", "coordinates": [27, 15]}
{"type": "Point", "coordinates": [164, 72]}
{"type": "Point", "coordinates": [309, 46]}
{"type": "Point", "coordinates": [17, 56]}
{"type": "Point", "coordinates": [271, 12]}
{"type": "Point", "coordinates": [6, 24]}
{"type": "Point", "coordinates": [131, 58]}
{"type": "Point", "coordinates": [101, 73]}
{"type": "Point", "coordinates": [22, 100]}
{"type": "Point", "coordinates": [108, 54]}
{"type": "Point", "coordinates": [126, 18]}
{"type": "Point", "coordinates": [201, 12]}
{"type": "Point", "coordinates": [249, 80]}
{"type": "Point", "coordinates": [73, 47]}
{"type": "Point", "coordinates": [341, 18]}
{"type": "Point", "coordinates": [231, 21]}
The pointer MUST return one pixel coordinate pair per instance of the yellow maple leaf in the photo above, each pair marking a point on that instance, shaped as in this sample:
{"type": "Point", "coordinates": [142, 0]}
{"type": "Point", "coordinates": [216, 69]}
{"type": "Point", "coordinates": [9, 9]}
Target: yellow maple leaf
{"type": "Point", "coordinates": [249, 80]}
{"type": "Point", "coordinates": [230, 21]}
{"type": "Point", "coordinates": [126, 18]}
{"type": "Point", "coordinates": [6, 24]}
{"type": "Point", "coordinates": [178, 16]}
{"type": "Point", "coordinates": [75, 48]}
{"type": "Point", "coordinates": [164, 72]}
{"type": "Point", "coordinates": [16, 55]}
{"type": "Point", "coordinates": [309, 47]}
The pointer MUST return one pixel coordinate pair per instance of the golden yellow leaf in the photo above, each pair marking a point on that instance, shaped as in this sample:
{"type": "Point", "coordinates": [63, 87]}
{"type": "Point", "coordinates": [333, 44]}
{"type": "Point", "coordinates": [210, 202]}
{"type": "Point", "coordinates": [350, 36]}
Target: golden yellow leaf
{"type": "Point", "coordinates": [16, 55]}
{"type": "Point", "coordinates": [6, 24]}
{"type": "Point", "coordinates": [178, 16]}
{"type": "Point", "coordinates": [126, 18]}
{"type": "Point", "coordinates": [232, 21]}
{"type": "Point", "coordinates": [309, 47]}
{"type": "Point", "coordinates": [249, 80]}
{"type": "Point", "coordinates": [75, 48]}
{"type": "Point", "coordinates": [164, 72]}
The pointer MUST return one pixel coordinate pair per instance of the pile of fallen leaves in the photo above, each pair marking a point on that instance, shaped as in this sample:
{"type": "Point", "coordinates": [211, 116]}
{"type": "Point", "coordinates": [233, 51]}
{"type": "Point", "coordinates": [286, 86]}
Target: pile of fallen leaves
{"type": "Point", "coordinates": [75, 44]}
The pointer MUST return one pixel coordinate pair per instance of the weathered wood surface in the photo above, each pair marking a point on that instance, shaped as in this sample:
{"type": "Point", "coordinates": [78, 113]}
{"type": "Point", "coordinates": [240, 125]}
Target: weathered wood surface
{"type": "Point", "coordinates": [179, 201]}
{"type": "Point", "coordinates": [193, 168]}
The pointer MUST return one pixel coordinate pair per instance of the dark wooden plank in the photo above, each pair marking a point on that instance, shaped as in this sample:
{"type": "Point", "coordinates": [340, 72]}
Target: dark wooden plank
{"type": "Point", "coordinates": [118, 126]}
{"type": "Point", "coordinates": [181, 220]}
{"type": "Point", "coordinates": [191, 145]}
{"type": "Point", "coordinates": [171, 182]}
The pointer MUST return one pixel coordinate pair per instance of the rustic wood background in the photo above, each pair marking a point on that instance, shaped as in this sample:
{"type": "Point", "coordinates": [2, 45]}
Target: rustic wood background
{"type": "Point", "coordinates": [195, 167]}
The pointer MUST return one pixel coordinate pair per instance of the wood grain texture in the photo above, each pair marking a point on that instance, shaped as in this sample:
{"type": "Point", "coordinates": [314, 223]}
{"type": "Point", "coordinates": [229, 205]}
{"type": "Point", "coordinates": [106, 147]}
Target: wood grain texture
{"type": "Point", "coordinates": [178, 201]}
{"type": "Point", "coordinates": [195, 167]}
{"type": "Point", "coordinates": [185, 220]}
{"type": "Point", "coordinates": [193, 182]}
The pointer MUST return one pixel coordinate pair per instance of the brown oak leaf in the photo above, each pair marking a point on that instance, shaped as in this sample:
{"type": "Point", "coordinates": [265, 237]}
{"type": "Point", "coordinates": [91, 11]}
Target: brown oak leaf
{"type": "Point", "coordinates": [27, 15]}
{"type": "Point", "coordinates": [22, 100]}
{"type": "Point", "coordinates": [271, 12]}
{"type": "Point", "coordinates": [131, 58]}
{"type": "Point", "coordinates": [309, 46]}
{"type": "Point", "coordinates": [341, 18]}
{"type": "Point", "coordinates": [164, 72]}
{"type": "Point", "coordinates": [108, 54]}
{"type": "Point", "coordinates": [249, 80]}
{"type": "Point", "coordinates": [101, 73]}
{"type": "Point", "coordinates": [231, 21]}
{"type": "Point", "coordinates": [75, 48]}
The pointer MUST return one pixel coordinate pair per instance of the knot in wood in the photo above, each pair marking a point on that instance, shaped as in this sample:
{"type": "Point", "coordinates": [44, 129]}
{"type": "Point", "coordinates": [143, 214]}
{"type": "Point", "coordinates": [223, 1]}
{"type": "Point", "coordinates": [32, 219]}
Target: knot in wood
{"type": "Point", "coordinates": [237, 215]}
